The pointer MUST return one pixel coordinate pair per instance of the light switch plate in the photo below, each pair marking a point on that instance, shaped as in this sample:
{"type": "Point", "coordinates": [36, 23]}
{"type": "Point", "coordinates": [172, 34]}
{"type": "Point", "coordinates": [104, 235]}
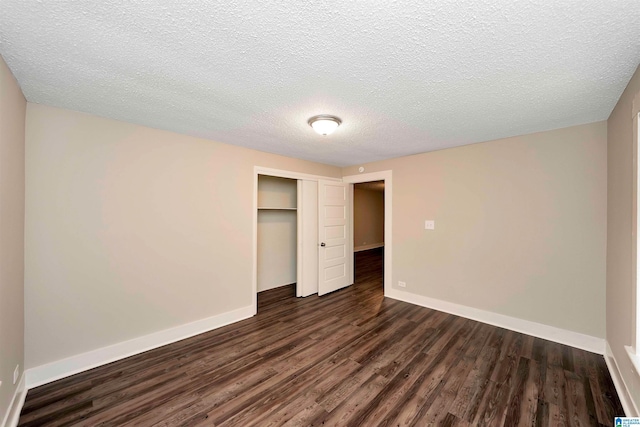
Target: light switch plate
{"type": "Point", "coordinates": [429, 224]}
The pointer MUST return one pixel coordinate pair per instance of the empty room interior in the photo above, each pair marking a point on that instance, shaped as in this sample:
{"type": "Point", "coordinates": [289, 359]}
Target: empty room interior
{"type": "Point", "coordinates": [305, 214]}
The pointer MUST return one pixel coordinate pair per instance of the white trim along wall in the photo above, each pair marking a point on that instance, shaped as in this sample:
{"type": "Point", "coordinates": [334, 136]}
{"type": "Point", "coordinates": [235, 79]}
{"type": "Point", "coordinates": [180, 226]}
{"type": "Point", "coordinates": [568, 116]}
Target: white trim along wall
{"type": "Point", "coordinates": [12, 416]}
{"type": "Point", "coordinates": [59, 369]}
{"type": "Point", "coordinates": [82, 362]}
{"type": "Point", "coordinates": [367, 247]}
{"type": "Point", "coordinates": [629, 406]}
{"type": "Point", "coordinates": [551, 333]}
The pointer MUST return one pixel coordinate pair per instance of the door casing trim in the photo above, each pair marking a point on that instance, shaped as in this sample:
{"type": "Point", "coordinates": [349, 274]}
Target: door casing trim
{"type": "Point", "coordinates": [387, 177]}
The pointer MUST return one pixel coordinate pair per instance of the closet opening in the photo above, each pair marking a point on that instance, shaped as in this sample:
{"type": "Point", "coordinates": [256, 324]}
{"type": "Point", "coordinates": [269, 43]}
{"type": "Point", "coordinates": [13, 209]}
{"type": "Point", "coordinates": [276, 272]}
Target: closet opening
{"type": "Point", "coordinates": [277, 238]}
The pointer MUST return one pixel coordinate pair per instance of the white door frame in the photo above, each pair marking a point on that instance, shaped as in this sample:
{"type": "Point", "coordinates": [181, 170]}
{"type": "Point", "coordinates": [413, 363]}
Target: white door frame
{"type": "Point", "coordinates": [385, 176]}
{"type": "Point", "coordinates": [260, 170]}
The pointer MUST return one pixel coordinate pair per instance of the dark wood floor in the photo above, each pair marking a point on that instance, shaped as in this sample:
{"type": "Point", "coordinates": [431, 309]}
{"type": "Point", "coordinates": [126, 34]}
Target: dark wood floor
{"type": "Point", "coordinates": [347, 359]}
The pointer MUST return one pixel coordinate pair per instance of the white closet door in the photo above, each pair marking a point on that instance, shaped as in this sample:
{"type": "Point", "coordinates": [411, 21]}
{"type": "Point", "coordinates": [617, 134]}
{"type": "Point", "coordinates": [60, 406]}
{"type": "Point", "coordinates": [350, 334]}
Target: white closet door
{"type": "Point", "coordinates": [333, 234]}
{"type": "Point", "coordinates": [307, 238]}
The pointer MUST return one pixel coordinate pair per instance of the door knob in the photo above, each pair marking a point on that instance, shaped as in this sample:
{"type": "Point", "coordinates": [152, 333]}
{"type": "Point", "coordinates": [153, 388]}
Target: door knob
{"type": "Point", "coordinates": [323, 244]}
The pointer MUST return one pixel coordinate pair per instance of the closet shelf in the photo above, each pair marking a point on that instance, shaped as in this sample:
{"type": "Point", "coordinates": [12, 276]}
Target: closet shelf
{"type": "Point", "coordinates": [266, 208]}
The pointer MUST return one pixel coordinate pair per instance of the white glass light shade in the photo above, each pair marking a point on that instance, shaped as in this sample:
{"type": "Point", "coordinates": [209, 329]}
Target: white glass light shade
{"type": "Point", "coordinates": [324, 124]}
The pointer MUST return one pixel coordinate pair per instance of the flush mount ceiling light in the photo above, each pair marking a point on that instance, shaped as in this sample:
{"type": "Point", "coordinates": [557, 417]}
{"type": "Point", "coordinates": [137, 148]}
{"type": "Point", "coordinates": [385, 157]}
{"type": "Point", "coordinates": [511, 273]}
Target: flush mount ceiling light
{"type": "Point", "coordinates": [324, 124]}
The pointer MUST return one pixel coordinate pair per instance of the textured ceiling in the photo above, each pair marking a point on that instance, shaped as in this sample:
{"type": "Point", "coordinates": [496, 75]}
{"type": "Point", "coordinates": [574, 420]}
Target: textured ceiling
{"type": "Point", "coordinates": [404, 76]}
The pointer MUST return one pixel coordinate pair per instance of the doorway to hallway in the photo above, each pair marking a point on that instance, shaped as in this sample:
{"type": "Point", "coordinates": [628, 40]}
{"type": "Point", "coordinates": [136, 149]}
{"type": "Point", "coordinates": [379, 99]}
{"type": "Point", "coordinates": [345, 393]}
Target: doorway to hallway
{"type": "Point", "coordinates": [368, 231]}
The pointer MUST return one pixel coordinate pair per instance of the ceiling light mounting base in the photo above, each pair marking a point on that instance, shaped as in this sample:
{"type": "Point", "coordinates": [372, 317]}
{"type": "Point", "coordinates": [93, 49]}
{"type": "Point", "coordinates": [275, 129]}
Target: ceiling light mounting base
{"type": "Point", "coordinates": [324, 124]}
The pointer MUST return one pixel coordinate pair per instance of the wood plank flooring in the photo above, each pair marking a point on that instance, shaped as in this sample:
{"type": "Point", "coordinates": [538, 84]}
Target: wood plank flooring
{"type": "Point", "coordinates": [351, 358]}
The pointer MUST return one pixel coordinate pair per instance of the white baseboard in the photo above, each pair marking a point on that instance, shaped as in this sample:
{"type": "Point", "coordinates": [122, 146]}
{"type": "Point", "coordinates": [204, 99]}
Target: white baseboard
{"type": "Point", "coordinates": [17, 402]}
{"type": "Point", "coordinates": [551, 333]}
{"type": "Point", "coordinates": [367, 247]}
{"type": "Point", "coordinates": [82, 362]}
{"type": "Point", "coordinates": [276, 286]}
{"type": "Point", "coordinates": [629, 406]}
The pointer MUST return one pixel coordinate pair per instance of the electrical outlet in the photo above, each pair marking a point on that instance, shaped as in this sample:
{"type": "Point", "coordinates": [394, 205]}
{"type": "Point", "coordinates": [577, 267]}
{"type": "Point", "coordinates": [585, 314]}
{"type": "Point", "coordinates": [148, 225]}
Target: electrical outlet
{"type": "Point", "coordinates": [16, 374]}
{"type": "Point", "coordinates": [429, 224]}
{"type": "Point", "coordinates": [402, 284]}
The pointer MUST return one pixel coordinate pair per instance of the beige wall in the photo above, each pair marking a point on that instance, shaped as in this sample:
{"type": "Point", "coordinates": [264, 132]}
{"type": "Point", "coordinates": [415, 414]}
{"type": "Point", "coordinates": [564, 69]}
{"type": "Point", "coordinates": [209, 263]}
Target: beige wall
{"type": "Point", "coordinates": [12, 119]}
{"type": "Point", "coordinates": [620, 226]}
{"type": "Point", "coordinates": [368, 217]}
{"type": "Point", "coordinates": [520, 226]}
{"type": "Point", "coordinates": [131, 230]}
